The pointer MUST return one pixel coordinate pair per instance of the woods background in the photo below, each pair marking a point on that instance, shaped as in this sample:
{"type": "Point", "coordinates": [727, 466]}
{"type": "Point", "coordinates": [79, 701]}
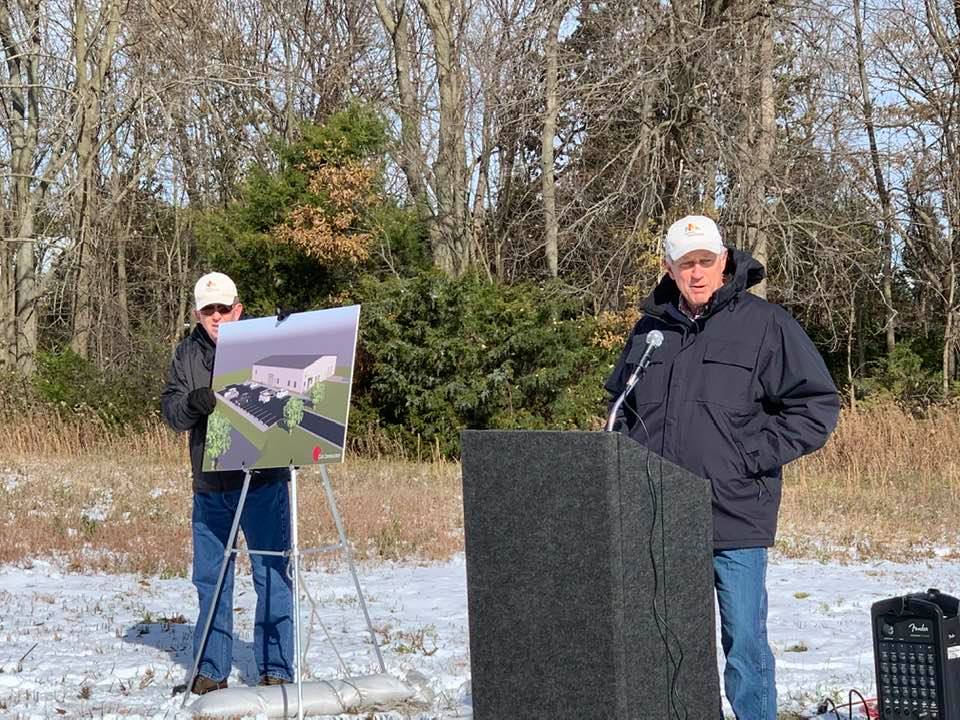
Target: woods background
{"type": "Point", "coordinates": [490, 178]}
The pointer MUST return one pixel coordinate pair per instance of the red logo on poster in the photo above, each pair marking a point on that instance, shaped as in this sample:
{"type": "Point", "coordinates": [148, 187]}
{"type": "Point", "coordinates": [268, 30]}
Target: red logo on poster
{"type": "Point", "coordinates": [317, 452]}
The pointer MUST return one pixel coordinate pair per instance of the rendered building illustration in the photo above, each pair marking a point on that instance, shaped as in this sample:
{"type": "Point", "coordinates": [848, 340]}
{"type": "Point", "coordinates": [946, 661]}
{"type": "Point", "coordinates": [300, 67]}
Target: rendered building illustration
{"type": "Point", "coordinates": [283, 390]}
{"type": "Point", "coordinates": [293, 373]}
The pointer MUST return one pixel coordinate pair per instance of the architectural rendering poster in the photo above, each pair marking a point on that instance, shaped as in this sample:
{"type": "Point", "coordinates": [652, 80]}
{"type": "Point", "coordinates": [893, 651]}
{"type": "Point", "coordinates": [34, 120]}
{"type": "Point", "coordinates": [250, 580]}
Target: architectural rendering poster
{"type": "Point", "coordinates": [283, 390]}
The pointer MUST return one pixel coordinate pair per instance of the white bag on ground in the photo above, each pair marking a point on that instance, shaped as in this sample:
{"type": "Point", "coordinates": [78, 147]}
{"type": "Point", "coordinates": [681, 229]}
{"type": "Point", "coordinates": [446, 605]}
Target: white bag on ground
{"type": "Point", "coordinates": [363, 693]}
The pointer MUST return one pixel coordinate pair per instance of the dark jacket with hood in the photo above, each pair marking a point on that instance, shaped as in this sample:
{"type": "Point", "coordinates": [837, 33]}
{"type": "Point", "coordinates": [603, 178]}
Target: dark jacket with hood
{"type": "Point", "coordinates": [732, 397]}
{"type": "Point", "coordinates": [192, 368]}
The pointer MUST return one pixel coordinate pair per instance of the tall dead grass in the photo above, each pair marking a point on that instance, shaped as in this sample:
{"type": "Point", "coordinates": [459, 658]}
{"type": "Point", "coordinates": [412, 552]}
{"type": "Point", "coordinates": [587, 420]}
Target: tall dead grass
{"type": "Point", "coordinates": [99, 501]}
{"type": "Point", "coordinates": [887, 486]}
{"type": "Point", "coordinates": [48, 434]}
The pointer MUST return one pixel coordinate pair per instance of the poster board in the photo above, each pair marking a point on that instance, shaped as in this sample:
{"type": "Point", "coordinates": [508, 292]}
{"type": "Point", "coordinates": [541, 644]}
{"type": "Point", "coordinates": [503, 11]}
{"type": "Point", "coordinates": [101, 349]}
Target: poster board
{"type": "Point", "coordinates": [283, 390]}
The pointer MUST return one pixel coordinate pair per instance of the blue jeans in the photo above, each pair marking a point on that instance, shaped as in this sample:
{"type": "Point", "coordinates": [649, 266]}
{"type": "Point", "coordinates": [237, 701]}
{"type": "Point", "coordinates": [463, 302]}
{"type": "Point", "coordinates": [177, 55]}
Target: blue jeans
{"type": "Point", "coordinates": [265, 522]}
{"type": "Point", "coordinates": [748, 678]}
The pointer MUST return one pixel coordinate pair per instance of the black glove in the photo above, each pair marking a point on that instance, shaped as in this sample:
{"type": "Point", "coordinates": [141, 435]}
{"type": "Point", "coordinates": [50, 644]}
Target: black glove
{"type": "Point", "coordinates": [202, 400]}
{"type": "Point", "coordinates": [284, 312]}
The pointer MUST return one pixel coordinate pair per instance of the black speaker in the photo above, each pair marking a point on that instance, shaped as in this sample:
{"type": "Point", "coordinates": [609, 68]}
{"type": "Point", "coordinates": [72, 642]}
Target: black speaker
{"type": "Point", "coordinates": [916, 650]}
{"type": "Point", "coordinates": [589, 580]}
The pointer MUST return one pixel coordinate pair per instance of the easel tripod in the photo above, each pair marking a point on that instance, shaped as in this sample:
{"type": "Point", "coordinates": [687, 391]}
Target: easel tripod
{"type": "Point", "coordinates": [295, 553]}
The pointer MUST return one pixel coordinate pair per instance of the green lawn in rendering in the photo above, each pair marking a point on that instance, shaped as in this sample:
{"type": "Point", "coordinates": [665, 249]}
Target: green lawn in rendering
{"type": "Point", "coordinates": [231, 378]}
{"type": "Point", "coordinates": [277, 446]}
{"type": "Point", "coordinates": [282, 446]}
{"type": "Point", "coordinates": [336, 398]}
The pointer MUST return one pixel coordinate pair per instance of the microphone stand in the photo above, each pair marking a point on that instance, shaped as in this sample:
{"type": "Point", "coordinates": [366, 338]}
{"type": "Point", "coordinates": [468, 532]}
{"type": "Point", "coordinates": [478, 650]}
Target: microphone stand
{"type": "Point", "coordinates": [631, 382]}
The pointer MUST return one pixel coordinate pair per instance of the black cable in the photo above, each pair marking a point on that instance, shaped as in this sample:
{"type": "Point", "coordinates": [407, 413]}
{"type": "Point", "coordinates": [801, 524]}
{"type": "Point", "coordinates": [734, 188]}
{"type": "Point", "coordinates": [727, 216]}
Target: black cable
{"type": "Point", "coordinates": [850, 703]}
{"type": "Point", "coordinates": [822, 708]}
{"type": "Point", "coordinates": [666, 632]}
{"type": "Point", "coordinates": [663, 626]}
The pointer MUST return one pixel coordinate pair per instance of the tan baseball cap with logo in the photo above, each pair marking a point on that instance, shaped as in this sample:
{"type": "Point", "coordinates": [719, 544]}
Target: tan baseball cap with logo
{"type": "Point", "coordinates": [693, 232]}
{"type": "Point", "coordinates": [214, 289]}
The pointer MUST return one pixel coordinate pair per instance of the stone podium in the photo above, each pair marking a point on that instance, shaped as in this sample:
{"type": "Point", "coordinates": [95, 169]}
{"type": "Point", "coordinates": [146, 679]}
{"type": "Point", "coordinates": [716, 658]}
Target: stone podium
{"type": "Point", "coordinates": [589, 580]}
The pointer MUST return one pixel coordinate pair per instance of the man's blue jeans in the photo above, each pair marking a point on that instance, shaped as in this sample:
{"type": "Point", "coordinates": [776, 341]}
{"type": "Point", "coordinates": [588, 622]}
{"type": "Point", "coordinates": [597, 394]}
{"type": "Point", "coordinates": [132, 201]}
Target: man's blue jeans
{"type": "Point", "coordinates": [748, 678]}
{"type": "Point", "coordinates": [265, 522]}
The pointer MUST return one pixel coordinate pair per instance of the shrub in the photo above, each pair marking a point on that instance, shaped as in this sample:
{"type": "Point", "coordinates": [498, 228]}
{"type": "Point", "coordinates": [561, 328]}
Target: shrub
{"type": "Point", "coordinates": [902, 378]}
{"type": "Point", "coordinates": [70, 386]}
{"type": "Point", "coordinates": [301, 232]}
{"type": "Point", "coordinates": [438, 355]}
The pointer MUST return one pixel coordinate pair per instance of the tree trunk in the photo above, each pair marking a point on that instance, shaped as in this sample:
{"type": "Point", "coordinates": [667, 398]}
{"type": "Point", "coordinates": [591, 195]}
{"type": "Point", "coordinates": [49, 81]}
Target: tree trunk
{"type": "Point", "coordinates": [477, 216]}
{"type": "Point", "coordinates": [881, 186]}
{"type": "Point", "coordinates": [26, 298]}
{"type": "Point", "coordinates": [949, 328]}
{"type": "Point", "coordinates": [22, 58]}
{"type": "Point", "coordinates": [451, 251]}
{"type": "Point", "coordinates": [8, 321]}
{"type": "Point", "coordinates": [91, 71]}
{"type": "Point", "coordinates": [548, 183]}
{"type": "Point", "coordinates": [762, 157]}
{"type": "Point", "coordinates": [508, 154]}
{"type": "Point", "coordinates": [851, 328]}
{"type": "Point", "coordinates": [123, 289]}
{"type": "Point", "coordinates": [410, 158]}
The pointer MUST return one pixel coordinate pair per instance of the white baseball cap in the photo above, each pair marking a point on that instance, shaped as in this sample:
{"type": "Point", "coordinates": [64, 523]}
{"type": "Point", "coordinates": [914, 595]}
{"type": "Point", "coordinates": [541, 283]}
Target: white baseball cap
{"type": "Point", "coordinates": [214, 289]}
{"type": "Point", "coordinates": [694, 232]}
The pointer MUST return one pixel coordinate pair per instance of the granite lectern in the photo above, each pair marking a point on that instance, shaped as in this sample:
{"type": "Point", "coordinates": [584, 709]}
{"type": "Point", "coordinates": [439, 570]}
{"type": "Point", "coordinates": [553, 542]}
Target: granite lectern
{"type": "Point", "coordinates": [589, 580]}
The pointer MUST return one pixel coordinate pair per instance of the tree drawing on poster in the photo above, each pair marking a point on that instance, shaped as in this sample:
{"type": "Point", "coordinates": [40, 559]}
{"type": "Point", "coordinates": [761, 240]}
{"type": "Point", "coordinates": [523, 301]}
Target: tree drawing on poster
{"type": "Point", "coordinates": [283, 390]}
{"type": "Point", "coordinates": [293, 413]}
{"type": "Point", "coordinates": [218, 437]}
{"type": "Point", "coordinates": [317, 393]}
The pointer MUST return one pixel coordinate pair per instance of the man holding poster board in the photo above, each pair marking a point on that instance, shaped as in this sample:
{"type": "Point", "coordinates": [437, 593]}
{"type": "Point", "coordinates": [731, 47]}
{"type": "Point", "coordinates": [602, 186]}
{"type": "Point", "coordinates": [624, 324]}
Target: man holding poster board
{"type": "Point", "coordinates": [188, 402]}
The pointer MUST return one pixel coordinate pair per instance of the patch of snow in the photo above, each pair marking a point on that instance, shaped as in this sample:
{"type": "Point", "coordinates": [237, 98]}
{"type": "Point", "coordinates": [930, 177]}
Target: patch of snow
{"type": "Point", "coordinates": [112, 645]}
{"type": "Point", "coordinates": [100, 510]}
{"type": "Point", "coordinates": [10, 481]}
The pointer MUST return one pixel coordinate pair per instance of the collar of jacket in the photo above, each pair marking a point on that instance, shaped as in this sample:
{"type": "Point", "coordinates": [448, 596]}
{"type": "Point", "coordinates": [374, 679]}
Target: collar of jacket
{"type": "Point", "coordinates": [203, 341]}
{"type": "Point", "coordinates": [743, 270]}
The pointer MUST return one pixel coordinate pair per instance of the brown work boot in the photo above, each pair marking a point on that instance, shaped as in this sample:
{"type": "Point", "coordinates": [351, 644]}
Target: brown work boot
{"type": "Point", "coordinates": [272, 680]}
{"type": "Point", "coordinates": [202, 685]}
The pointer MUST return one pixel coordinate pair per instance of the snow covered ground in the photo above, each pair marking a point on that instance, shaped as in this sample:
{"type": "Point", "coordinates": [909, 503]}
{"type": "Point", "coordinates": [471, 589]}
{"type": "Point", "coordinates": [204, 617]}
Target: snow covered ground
{"type": "Point", "coordinates": [101, 646]}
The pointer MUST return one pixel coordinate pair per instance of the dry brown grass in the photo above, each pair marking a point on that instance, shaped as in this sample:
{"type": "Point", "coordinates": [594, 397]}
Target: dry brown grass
{"type": "Point", "coordinates": [886, 486]}
{"type": "Point", "coordinates": [124, 503]}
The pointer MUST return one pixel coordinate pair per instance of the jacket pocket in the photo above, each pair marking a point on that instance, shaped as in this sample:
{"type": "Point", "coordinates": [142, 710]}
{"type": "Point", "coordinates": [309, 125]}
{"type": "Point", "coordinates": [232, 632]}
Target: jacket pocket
{"type": "Point", "coordinates": [715, 442]}
{"type": "Point", "coordinates": [726, 374]}
{"type": "Point", "coordinates": [746, 510]}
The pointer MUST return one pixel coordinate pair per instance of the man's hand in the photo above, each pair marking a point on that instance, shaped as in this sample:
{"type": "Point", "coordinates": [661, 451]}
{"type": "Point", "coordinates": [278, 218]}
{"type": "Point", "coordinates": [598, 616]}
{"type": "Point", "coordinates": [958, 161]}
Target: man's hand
{"type": "Point", "coordinates": [284, 312]}
{"type": "Point", "coordinates": [202, 400]}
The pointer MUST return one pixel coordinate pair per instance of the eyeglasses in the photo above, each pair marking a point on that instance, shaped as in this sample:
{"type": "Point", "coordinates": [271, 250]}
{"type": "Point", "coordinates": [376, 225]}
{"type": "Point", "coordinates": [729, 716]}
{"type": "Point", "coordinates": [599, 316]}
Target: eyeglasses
{"type": "Point", "coordinates": [209, 310]}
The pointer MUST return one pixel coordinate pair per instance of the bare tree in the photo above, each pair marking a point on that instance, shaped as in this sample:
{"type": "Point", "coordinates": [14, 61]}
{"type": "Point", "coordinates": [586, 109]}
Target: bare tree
{"type": "Point", "coordinates": [37, 138]}
{"type": "Point", "coordinates": [883, 193]}
{"type": "Point", "coordinates": [549, 134]}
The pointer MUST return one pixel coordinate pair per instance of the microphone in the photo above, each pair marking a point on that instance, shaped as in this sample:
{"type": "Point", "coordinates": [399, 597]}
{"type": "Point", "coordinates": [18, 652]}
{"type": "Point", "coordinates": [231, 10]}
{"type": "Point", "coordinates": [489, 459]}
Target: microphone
{"type": "Point", "coordinates": [654, 340]}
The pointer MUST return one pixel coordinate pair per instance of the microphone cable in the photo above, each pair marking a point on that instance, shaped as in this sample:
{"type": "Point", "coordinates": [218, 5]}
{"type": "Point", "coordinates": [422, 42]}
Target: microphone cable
{"type": "Point", "coordinates": [663, 626]}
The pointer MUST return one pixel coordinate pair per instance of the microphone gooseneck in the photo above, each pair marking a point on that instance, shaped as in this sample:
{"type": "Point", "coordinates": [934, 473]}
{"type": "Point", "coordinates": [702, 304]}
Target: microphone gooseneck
{"type": "Point", "coordinates": [654, 340]}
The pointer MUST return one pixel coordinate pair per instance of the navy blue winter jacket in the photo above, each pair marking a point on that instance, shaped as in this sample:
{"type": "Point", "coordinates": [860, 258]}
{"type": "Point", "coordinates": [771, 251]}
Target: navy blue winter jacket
{"type": "Point", "coordinates": [731, 397]}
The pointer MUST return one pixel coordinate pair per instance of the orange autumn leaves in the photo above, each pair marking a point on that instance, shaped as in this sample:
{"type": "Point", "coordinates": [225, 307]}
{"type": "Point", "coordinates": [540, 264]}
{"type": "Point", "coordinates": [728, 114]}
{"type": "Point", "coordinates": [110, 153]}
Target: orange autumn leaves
{"type": "Point", "coordinates": [331, 230]}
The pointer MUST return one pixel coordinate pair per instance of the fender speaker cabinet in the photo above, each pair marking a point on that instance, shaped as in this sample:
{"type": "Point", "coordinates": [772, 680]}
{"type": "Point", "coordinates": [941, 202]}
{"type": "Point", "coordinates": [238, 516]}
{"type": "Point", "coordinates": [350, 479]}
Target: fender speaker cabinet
{"type": "Point", "coordinates": [916, 650]}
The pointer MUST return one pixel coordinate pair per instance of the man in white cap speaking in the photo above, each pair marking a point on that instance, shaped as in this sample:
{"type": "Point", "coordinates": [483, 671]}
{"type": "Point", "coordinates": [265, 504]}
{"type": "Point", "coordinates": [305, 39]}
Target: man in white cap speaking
{"type": "Point", "coordinates": [187, 400]}
{"type": "Point", "coordinates": [736, 391]}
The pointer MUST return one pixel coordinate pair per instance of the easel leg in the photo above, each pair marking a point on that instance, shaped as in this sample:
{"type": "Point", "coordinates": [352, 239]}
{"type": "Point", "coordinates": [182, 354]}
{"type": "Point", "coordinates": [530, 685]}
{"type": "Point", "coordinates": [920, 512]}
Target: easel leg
{"type": "Point", "coordinates": [331, 501]}
{"type": "Point", "coordinates": [295, 570]}
{"type": "Point", "coordinates": [228, 551]}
